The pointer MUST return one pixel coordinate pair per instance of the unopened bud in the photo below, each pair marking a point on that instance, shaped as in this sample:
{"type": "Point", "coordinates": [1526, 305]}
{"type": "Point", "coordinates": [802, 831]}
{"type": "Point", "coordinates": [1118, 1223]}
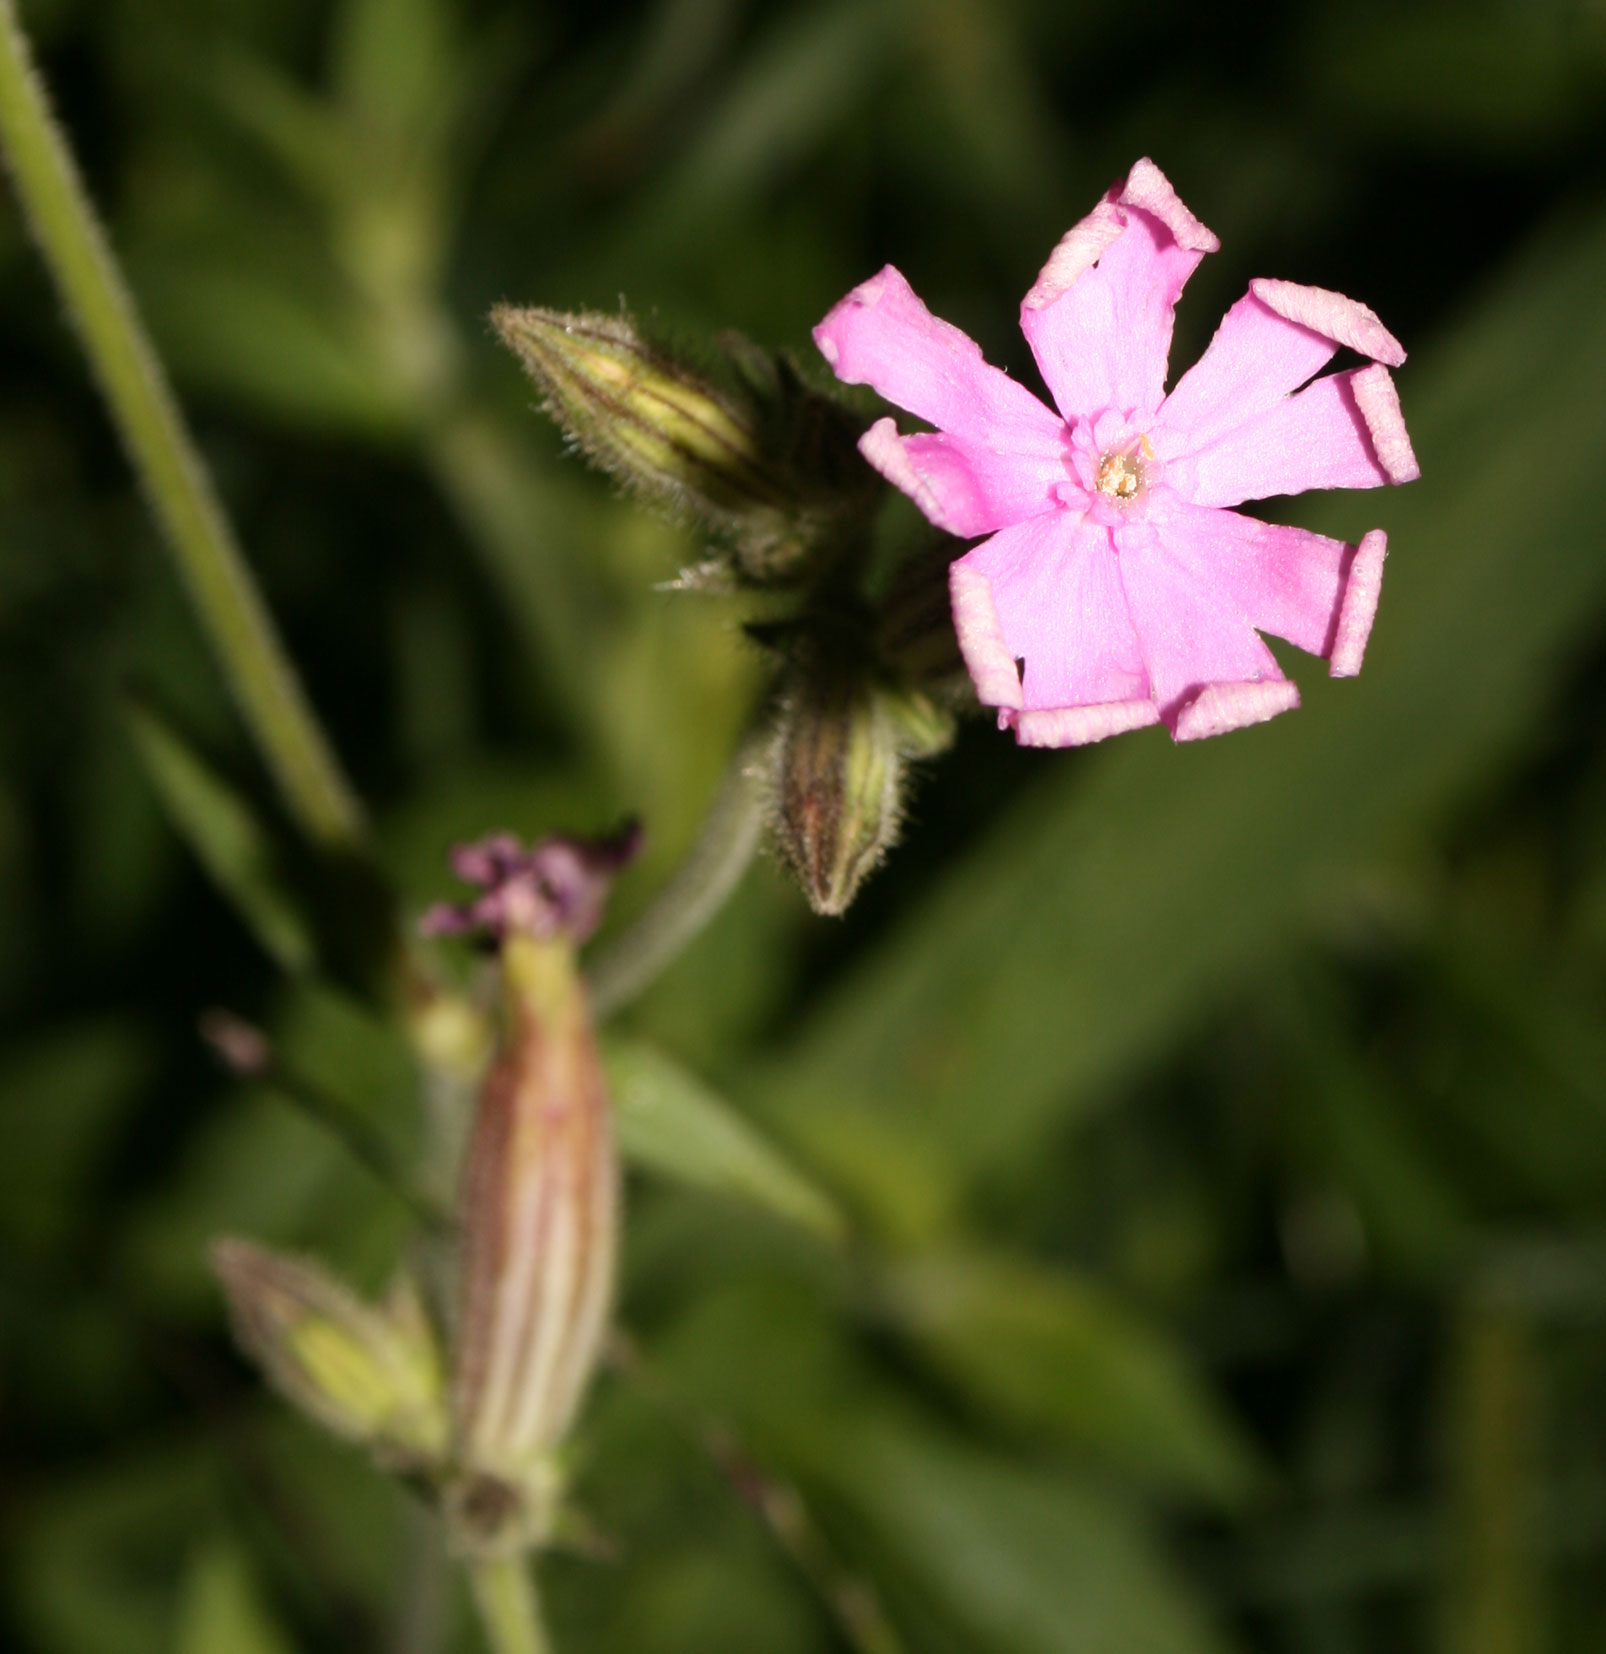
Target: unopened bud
{"type": "Point", "coordinates": [369, 1373]}
{"type": "Point", "coordinates": [652, 421]}
{"type": "Point", "coordinates": [773, 465]}
{"type": "Point", "coordinates": [841, 766]}
{"type": "Point", "coordinates": [539, 1220]}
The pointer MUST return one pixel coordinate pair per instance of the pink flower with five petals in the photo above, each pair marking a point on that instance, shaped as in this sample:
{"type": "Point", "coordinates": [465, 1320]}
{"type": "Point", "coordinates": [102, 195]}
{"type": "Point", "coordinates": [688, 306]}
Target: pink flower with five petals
{"type": "Point", "coordinates": [1117, 587]}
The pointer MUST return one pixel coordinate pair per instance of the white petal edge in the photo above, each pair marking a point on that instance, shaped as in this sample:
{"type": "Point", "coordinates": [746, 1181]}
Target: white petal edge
{"type": "Point", "coordinates": [1078, 726]}
{"type": "Point", "coordinates": [883, 448]}
{"type": "Point", "coordinates": [1359, 606]}
{"type": "Point", "coordinates": [981, 640]}
{"type": "Point", "coordinates": [1147, 188]}
{"type": "Point", "coordinates": [1079, 249]}
{"type": "Point", "coordinates": [1345, 321]}
{"type": "Point", "coordinates": [1220, 707]}
{"type": "Point", "coordinates": [1379, 403]}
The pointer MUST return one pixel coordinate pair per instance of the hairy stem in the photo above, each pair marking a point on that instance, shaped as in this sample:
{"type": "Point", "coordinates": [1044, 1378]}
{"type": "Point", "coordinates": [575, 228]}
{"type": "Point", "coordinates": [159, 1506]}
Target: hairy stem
{"type": "Point", "coordinates": [697, 890]}
{"type": "Point", "coordinates": [510, 1610]}
{"type": "Point", "coordinates": [142, 406]}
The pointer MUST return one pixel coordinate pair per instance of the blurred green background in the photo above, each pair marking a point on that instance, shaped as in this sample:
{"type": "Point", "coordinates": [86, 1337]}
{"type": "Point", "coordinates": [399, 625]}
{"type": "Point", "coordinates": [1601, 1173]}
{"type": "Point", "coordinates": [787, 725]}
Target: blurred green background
{"type": "Point", "coordinates": [1221, 1131]}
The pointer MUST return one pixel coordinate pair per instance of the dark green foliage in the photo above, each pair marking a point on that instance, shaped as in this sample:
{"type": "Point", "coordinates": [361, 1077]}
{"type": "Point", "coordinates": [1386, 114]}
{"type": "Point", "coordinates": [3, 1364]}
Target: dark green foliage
{"type": "Point", "coordinates": [1168, 1214]}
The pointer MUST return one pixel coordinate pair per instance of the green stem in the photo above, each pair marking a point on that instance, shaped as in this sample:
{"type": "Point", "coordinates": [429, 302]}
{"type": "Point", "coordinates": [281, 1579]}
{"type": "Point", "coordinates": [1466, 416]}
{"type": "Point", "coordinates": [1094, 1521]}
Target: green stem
{"type": "Point", "coordinates": [147, 417]}
{"type": "Point", "coordinates": [698, 889]}
{"type": "Point", "coordinates": [510, 1610]}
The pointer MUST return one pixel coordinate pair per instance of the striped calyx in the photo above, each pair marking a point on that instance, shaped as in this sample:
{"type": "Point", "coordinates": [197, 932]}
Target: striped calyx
{"type": "Point", "coordinates": [539, 1219]}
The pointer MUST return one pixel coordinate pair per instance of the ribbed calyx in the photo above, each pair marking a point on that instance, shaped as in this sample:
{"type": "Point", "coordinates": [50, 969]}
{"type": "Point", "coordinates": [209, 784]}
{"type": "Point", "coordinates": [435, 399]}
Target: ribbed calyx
{"type": "Point", "coordinates": [845, 736]}
{"type": "Point", "coordinates": [368, 1372]}
{"type": "Point", "coordinates": [768, 464]}
{"type": "Point", "coordinates": [539, 1214]}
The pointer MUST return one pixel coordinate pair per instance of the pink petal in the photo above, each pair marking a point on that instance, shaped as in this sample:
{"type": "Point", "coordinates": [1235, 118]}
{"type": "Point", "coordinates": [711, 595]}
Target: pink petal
{"type": "Point", "coordinates": [1333, 434]}
{"type": "Point", "coordinates": [1359, 608]}
{"type": "Point", "coordinates": [963, 486]}
{"type": "Point", "coordinates": [1079, 726]}
{"type": "Point", "coordinates": [1056, 603]}
{"type": "Point", "coordinates": [981, 639]}
{"type": "Point", "coordinates": [1379, 403]}
{"type": "Point", "coordinates": [1255, 360]}
{"type": "Point", "coordinates": [882, 335]}
{"type": "Point", "coordinates": [1221, 707]}
{"type": "Point", "coordinates": [1285, 581]}
{"type": "Point", "coordinates": [1344, 321]}
{"type": "Point", "coordinates": [1101, 332]}
{"type": "Point", "coordinates": [1191, 633]}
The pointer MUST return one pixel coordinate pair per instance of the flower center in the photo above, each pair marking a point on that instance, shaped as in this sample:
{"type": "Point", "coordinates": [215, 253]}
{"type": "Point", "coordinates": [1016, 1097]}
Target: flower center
{"type": "Point", "coordinates": [1120, 476]}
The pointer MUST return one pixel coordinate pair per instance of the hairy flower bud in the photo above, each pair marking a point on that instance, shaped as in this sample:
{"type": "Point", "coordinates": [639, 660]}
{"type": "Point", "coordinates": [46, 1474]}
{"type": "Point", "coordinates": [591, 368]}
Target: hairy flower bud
{"type": "Point", "coordinates": [771, 464]}
{"type": "Point", "coordinates": [842, 751]}
{"type": "Point", "coordinates": [539, 1218]}
{"type": "Point", "coordinates": [652, 421]}
{"type": "Point", "coordinates": [367, 1372]}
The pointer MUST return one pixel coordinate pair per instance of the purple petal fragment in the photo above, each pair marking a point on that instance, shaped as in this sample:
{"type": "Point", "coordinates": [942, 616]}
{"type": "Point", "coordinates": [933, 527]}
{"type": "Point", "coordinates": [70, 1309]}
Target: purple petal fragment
{"type": "Point", "coordinates": [557, 887]}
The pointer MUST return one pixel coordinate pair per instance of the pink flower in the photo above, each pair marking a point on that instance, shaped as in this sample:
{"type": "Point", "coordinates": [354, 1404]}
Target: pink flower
{"type": "Point", "coordinates": [1116, 588]}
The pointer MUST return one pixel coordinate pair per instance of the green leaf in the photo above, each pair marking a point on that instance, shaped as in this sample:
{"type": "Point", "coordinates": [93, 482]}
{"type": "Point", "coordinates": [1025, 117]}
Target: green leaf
{"type": "Point", "coordinates": [395, 61]}
{"type": "Point", "coordinates": [952, 1537]}
{"type": "Point", "coordinates": [220, 1610]}
{"type": "Point", "coordinates": [1055, 1353]}
{"type": "Point", "coordinates": [232, 845]}
{"type": "Point", "coordinates": [783, 103]}
{"type": "Point", "coordinates": [63, 1099]}
{"type": "Point", "coordinates": [1028, 1563]}
{"type": "Point", "coordinates": [253, 323]}
{"type": "Point", "coordinates": [94, 1558]}
{"type": "Point", "coordinates": [1350, 1120]}
{"type": "Point", "coordinates": [670, 1122]}
{"type": "Point", "coordinates": [1112, 909]}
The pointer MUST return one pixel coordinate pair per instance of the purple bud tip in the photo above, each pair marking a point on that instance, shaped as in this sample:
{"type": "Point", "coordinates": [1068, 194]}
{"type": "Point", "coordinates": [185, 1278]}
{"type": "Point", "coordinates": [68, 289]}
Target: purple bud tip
{"type": "Point", "coordinates": [240, 1046]}
{"type": "Point", "coordinates": [555, 888]}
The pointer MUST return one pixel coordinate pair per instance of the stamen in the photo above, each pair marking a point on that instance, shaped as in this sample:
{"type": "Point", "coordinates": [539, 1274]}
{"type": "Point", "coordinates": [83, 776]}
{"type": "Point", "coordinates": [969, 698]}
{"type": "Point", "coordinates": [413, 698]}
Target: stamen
{"type": "Point", "coordinates": [1120, 476]}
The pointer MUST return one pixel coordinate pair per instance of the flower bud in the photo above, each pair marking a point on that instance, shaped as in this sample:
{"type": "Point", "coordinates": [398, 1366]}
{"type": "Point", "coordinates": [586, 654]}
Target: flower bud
{"type": "Point", "coordinates": [840, 768]}
{"type": "Point", "coordinates": [772, 464]}
{"type": "Point", "coordinates": [635, 411]}
{"type": "Point", "coordinates": [367, 1372]}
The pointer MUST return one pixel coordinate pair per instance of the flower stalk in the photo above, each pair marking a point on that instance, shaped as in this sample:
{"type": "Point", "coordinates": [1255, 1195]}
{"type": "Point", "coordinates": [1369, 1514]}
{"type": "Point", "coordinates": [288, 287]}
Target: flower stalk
{"type": "Point", "coordinates": [705, 880]}
{"type": "Point", "coordinates": [509, 1607]}
{"type": "Point", "coordinates": [131, 379]}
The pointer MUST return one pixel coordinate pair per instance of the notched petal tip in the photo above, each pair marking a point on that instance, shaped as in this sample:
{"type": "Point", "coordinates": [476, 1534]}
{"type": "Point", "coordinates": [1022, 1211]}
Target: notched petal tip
{"type": "Point", "coordinates": [1343, 320]}
{"type": "Point", "coordinates": [1145, 188]}
{"type": "Point", "coordinates": [1220, 707]}
{"type": "Point", "coordinates": [1079, 249]}
{"type": "Point", "coordinates": [1358, 608]}
{"type": "Point", "coordinates": [1150, 190]}
{"type": "Point", "coordinates": [981, 639]}
{"type": "Point", "coordinates": [867, 295]}
{"type": "Point", "coordinates": [1078, 726]}
{"type": "Point", "coordinates": [1379, 405]}
{"type": "Point", "coordinates": [883, 448]}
